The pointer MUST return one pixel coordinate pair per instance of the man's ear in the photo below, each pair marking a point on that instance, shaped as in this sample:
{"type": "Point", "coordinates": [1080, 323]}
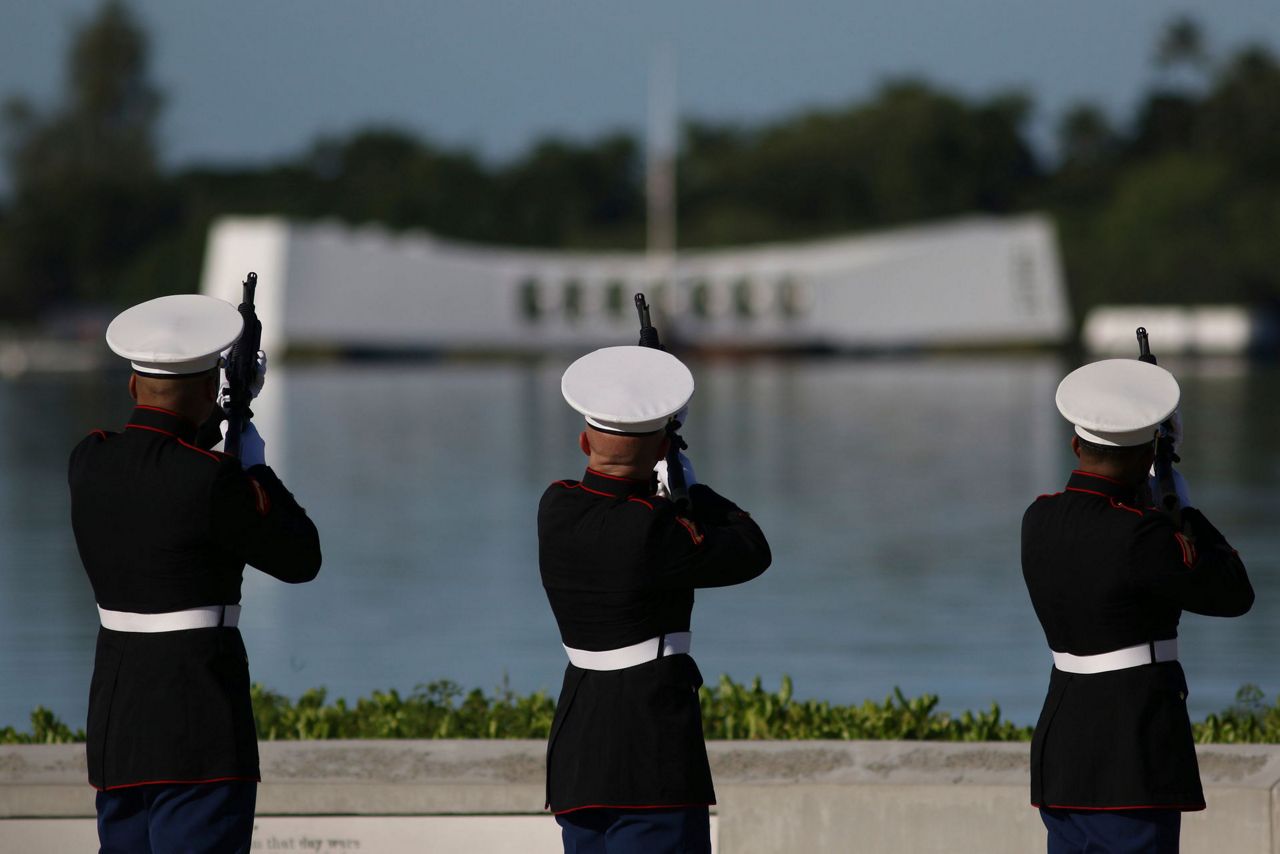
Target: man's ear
{"type": "Point", "coordinates": [1075, 446]}
{"type": "Point", "coordinates": [133, 386]}
{"type": "Point", "coordinates": [211, 387]}
{"type": "Point", "coordinates": [663, 447]}
{"type": "Point", "coordinates": [584, 443]}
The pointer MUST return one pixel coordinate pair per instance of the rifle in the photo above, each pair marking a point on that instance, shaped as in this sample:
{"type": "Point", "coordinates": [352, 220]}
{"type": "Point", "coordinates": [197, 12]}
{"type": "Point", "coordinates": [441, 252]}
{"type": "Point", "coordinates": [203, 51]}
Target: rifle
{"type": "Point", "coordinates": [242, 369]}
{"type": "Point", "coordinates": [675, 472]}
{"type": "Point", "coordinates": [1165, 455]}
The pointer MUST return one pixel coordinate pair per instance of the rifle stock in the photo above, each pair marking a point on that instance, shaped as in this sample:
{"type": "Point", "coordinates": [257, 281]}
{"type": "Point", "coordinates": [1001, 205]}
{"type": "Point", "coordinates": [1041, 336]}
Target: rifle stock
{"type": "Point", "coordinates": [1167, 497]}
{"type": "Point", "coordinates": [242, 369]}
{"type": "Point", "coordinates": [675, 471]}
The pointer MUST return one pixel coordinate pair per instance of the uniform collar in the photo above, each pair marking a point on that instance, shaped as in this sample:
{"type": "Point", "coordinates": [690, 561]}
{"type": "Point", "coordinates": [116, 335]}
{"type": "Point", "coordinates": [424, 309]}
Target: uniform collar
{"type": "Point", "coordinates": [1096, 484]}
{"type": "Point", "coordinates": [157, 420]}
{"type": "Point", "coordinates": [618, 487]}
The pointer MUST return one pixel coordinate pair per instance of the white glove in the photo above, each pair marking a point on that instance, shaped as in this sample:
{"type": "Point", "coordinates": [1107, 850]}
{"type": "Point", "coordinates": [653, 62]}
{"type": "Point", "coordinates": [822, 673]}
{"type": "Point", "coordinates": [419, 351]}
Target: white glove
{"type": "Point", "coordinates": [253, 450]}
{"type": "Point", "coordinates": [259, 378]}
{"type": "Point", "coordinates": [260, 375]}
{"type": "Point", "coordinates": [1179, 486]}
{"type": "Point", "coordinates": [664, 483]}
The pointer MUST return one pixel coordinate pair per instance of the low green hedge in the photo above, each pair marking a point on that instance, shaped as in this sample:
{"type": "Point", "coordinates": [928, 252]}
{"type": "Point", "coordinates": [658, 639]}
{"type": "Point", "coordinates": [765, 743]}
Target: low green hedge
{"type": "Point", "coordinates": [730, 710]}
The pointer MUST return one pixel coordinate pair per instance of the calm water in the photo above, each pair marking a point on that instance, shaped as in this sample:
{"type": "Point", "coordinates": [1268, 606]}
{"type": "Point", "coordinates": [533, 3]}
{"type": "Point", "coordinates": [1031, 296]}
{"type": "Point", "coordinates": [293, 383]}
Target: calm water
{"type": "Point", "coordinates": [891, 492]}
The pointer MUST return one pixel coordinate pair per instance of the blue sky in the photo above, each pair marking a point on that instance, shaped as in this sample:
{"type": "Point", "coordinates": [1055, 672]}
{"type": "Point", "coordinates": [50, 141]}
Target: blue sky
{"type": "Point", "coordinates": [260, 80]}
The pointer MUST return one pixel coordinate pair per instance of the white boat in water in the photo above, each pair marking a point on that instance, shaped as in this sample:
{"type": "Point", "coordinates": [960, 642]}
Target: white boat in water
{"type": "Point", "coordinates": [972, 283]}
{"type": "Point", "coordinates": [1195, 330]}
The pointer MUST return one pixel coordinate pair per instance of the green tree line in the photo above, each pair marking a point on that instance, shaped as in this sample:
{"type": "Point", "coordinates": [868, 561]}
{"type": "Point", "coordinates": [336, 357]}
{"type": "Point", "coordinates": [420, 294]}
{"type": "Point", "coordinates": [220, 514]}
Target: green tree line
{"type": "Point", "coordinates": [730, 710]}
{"type": "Point", "coordinates": [1178, 202]}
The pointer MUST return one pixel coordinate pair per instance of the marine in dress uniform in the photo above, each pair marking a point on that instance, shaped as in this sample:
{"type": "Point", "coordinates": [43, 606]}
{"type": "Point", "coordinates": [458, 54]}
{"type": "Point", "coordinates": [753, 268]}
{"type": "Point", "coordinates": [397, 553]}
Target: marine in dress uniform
{"type": "Point", "coordinates": [627, 767]}
{"type": "Point", "coordinates": [1113, 764]}
{"type": "Point", "coordinates": [164, 528]}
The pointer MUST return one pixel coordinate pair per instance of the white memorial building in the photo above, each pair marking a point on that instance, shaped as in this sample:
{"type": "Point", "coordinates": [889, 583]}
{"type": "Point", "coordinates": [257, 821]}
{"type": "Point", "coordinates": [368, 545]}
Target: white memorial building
{"type": "Point", "coordinates": [972, 283]}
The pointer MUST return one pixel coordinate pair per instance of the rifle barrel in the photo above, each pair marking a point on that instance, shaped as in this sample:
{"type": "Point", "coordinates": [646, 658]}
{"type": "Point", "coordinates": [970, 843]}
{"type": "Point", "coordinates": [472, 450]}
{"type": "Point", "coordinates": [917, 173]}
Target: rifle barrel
{"type": "Point", "coordinates": [648, 334]}
{"type": "Point", "coordinates": [1144, 347]}
{"type": "Point", "coordinates": [642, 308]}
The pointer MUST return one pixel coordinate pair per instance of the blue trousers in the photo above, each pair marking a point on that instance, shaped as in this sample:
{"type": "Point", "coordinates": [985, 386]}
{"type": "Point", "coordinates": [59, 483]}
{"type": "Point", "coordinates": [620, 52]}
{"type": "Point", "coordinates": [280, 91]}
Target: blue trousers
{"type": "Point", "coordinates": [201, 818]}
{"type": "Point", "coordinates": [1112, 831]}
{"type": "Point", "coordinates": [650, 831]}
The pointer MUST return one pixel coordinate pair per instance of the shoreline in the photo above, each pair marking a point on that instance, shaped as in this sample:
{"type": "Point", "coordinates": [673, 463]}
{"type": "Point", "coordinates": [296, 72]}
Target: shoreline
{"type": "Point", "coordinates": [444, 710]}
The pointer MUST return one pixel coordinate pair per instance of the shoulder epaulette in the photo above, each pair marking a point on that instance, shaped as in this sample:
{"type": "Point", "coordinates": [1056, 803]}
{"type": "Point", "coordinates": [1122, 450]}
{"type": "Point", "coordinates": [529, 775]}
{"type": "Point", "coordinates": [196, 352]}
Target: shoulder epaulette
{"type": "Point", "coordinates": [213, 455]}
{"type": "Point", "coordinates": [577, 484]}
{"type": "Point", "coordinates": [1120, 505]}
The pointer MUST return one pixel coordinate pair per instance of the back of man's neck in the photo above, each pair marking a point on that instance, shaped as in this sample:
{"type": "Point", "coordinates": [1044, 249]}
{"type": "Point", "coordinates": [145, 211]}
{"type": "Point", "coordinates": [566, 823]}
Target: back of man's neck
{"type": "Point", "coordinates": [1110, 472]}
{"type": "Point", "coordinates": [168, 406]}
{"type": "Point", "coordinates": [631, 472]}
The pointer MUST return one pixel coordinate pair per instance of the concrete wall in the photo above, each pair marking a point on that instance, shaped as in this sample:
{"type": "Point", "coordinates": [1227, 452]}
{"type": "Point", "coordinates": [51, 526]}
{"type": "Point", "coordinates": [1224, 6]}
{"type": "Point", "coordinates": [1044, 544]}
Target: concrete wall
{"type": "Point", "coordinates": [447, 796]}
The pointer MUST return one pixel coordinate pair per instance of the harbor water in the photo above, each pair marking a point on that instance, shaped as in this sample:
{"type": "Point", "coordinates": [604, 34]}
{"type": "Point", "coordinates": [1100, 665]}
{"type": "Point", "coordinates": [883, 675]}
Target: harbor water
{"type": "Point", "coordinates": [891, 491]}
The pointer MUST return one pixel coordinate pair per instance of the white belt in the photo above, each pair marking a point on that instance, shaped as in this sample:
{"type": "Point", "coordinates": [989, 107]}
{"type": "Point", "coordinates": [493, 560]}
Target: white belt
{"type": "Point", "coordinates": [1120, 659]}
{"type": "Point", "coordinates": [676, 643]}
{"type": "Point", "coordinates": [205, 617]}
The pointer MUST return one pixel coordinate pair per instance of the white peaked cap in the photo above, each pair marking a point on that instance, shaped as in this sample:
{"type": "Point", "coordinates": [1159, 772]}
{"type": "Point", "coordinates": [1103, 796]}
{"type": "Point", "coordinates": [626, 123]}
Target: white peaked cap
{"type": "Point", "coordinates": [1118, 402]}
{"type": "Point", "coordinates": [175, 335]}
{"type": "Point", "coordinates": [627, 389]}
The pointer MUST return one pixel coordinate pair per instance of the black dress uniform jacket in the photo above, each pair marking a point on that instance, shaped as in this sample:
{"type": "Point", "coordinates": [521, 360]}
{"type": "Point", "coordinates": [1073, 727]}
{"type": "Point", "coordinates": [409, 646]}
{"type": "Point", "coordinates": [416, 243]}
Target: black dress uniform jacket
{"type": "Point", "coordinates": [1103, 575]}
{"type": "Point", "coordinates": [163, 525]}
{"type": "Point", "coordinates": [619, 566]}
